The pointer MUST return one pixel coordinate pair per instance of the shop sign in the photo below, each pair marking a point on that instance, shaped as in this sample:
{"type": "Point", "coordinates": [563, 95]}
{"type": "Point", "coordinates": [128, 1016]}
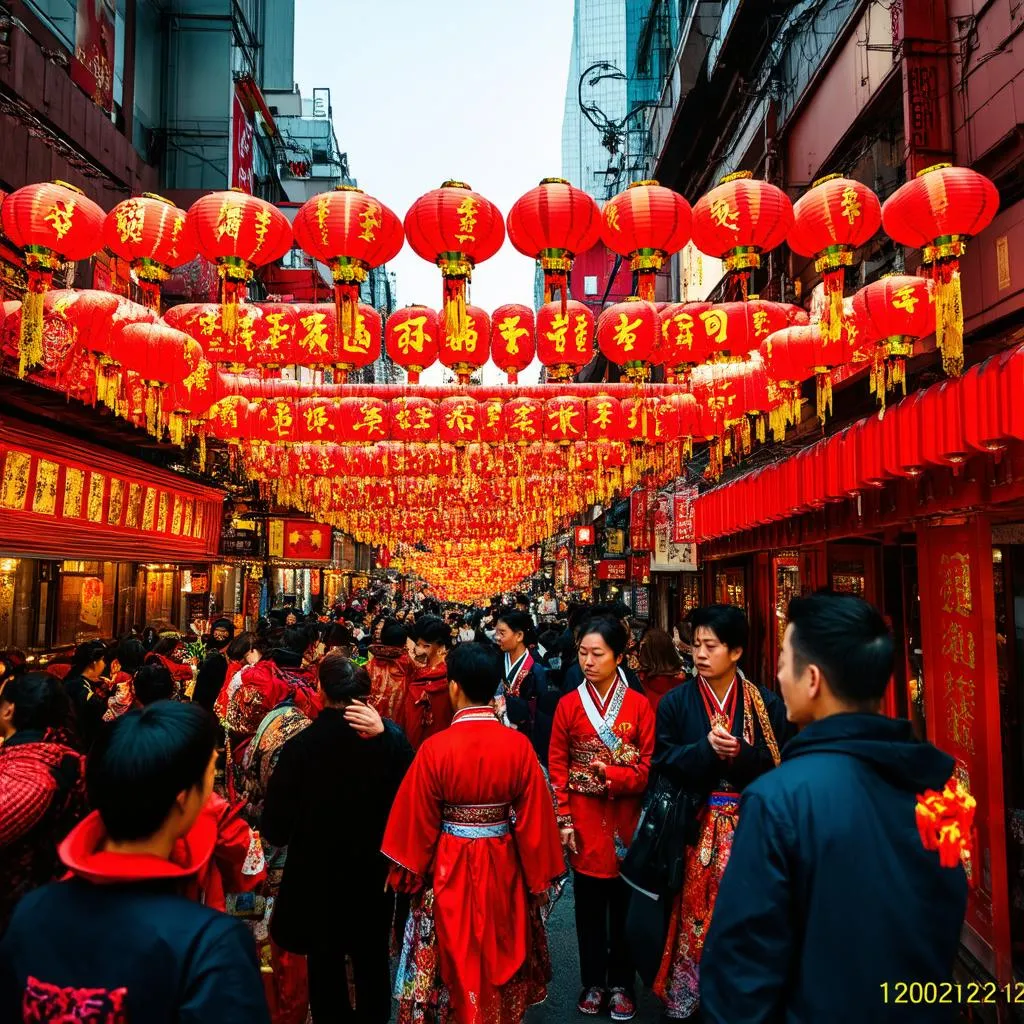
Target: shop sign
{"type": "Point", "coordinates": [200, 582]}
{"type": "Point", "coordinates": [640, 537]}
{"type": "Point", "coordinates": [611, 569]}
{"type": "Point", "coordinates": [638, 568]}
{"type": "Point", "coordinates": [580, 573]}
{"type": "Point", "coordinates": [92, 68]}
{"type": "Point", "coordinates": [240, 543]}
{"type": "Point", "coordinates": [642, 602]}
{"type": "Point", "coordinates": [305, 541]}
{"type": "Point", "coordinates": [563, 555]}
{"type": "Point", "coordinates": [584, 536]}
{"type": "Point", "coordinates": [683, 531]}
{"type": "Point", "coordinates": [243, 139]}
{"type": "Point", "coordinates": [615, 542]}
{"type": "Point", "coordinates": [668, 555]}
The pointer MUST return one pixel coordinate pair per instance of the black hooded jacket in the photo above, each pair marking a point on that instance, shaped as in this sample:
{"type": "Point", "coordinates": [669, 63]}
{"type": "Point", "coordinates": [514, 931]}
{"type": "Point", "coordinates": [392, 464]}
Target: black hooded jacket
{"type": "Point", "coordinates": [830, 892]}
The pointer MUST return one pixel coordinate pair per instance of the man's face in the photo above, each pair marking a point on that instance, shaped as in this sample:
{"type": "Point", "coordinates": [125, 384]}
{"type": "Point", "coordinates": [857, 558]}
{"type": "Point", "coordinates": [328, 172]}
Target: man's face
{"type": "Point", "coordinates": [506, 639]}
{"type": "Point", "coordinates": [714, 660]}
{"type": "Point", "coordinates": [425, 653]}
{"type": "Point", "coordinates": [220, 635]}
{"type": "Point", "coordinates": [793, 685]}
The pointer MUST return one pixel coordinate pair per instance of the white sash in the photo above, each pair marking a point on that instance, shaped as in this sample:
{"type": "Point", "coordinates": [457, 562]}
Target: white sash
{"type": "Point", "coordinates": [603, 724]}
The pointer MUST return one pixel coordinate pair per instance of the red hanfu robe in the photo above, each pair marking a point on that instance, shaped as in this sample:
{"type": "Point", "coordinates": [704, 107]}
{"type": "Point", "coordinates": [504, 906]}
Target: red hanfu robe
{"type": "Point", "coordinates": [474, 816]}
{"type": "Point", "coordinates": [426, 708]}
{"type": "Point", "coordinates": [621, 735]}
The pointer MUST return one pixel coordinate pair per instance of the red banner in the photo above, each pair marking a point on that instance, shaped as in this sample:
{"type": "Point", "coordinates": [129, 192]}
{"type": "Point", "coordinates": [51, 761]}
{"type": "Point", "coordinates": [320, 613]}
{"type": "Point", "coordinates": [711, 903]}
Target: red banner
{"type": "Point", "coordinates": [307, 542]}
{"type": "Point", "coordinates": [641, 534]}
{"type": "Point", "coordinates": [639, 568]}
{"type": "Point", "coordinates": [242, 143]}
{"type": "Point", "coordinates": [683, 531]}
{"type": "Point", "coordinates": [92, 69]}
{"type": "Point", "coordinates": [584, 536]}
{"type": "Point", "coordinates": [611, 569]}
{"type": "Point", "coordinates": [962, 701]}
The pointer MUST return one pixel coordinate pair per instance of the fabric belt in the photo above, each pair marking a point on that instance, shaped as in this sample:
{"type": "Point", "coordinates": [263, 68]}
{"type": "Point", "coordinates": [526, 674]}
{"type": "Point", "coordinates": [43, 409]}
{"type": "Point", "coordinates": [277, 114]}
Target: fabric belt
{"type": "Point", "coordinates": [495, 831]}
{"type": "Point", "coordinates": [475, 814]}
{"type": "Point", "coordinates": [724, 800]}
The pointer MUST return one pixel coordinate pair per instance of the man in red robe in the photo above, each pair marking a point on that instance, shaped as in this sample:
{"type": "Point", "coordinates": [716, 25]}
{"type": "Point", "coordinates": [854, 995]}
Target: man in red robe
{"type": "Point", "coordinates": [426, 708]}
{"type": "Point", "coordinates": [473, 832]}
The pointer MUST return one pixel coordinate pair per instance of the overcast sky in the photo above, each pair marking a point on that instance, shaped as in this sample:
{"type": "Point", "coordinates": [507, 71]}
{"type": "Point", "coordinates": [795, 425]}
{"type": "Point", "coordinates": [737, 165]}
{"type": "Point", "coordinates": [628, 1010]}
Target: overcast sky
{"type": "Point", "coordinates": [423, 91]}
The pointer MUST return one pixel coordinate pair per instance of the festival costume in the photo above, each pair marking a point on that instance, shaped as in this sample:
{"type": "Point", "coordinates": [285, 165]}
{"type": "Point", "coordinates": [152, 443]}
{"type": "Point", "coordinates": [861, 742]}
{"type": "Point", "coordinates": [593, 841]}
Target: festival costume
{"type": "Point", "coordinates": [389, 669]}
{"type": "Point", "coordinates": [683, 752]}
{"type": "Point", "coordinates": [619, 732]}
{"type": "Point", "coordinates": [656, 686]}
{"type": "Point", "coordinates": [122, 697]}
{"type": "Point", "coordinates": [473, 830]}
{"type": "Point", "coordinates": [427, 709]}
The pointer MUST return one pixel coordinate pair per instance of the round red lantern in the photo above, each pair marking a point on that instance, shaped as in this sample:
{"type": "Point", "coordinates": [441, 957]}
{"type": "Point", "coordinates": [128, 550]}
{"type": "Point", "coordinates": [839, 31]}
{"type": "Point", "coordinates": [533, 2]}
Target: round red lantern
{"type": "Point", "coordinates": [683, 345]}
{"type": "Point", "coordinates": [413, 339]}
{"type": "Point", "coordinates": [647, 223]}
{"type": "Point", "coordinates": [153, 235]}
{"type": "Point", "coordinates": [203, 321]}
{"type": "Point", "coordinates": [364, 420]}
{"type": "Point", "coordinates": [626, 334]}
{"type": "Point", "coordinates": [490, 414]}
{"type": "Point", "coordinates": [937, 212]}
{"type": "Point", "coordinates": [512, 339]}
{"type": "Point", "coordinates": [893, 312]}
{"type": "Point", "coordinates": [276, 346]}
{"type": "Point", "coordinates": [833, 219]}
{"type": "Point", "coordinates": [237, 232]}
{"type": "Point", "coordinates": [740, 219]}
{"type": "Point", "coordinates": [524, 420]}
{"type": "Point", "coordinates": [456, 228]}
{"type": "Point", "coordinates": [317, 420]}
{"type": "Point", "coordinates": [785, 358]}
{"type": "Point", "coordinates": [565, 419]}
{"type": "Point", "coordinates": [459, 420]}
{"type": "Point", "coordinates": [604, 419]}
{"type": "Point", "coordinates": [565, 338]}
{"type": "Point", "coordinates": [159, 354]}
{"type": "Point", "coordinates": [414, 418]}
{"type": "Point", "coordinates": [551, 224]}
{"type": "Point", "coordinates": [352, 233]}
{"type": "Point", "coordinates": [466, 350]}
{"type": "Point", "coordinates": [52, 223]}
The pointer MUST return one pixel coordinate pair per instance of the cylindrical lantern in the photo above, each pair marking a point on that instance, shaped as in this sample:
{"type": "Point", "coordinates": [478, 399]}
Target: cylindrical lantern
{"type": "Point", "coordinates": [364, 420]}
{"type": "Point", "coordinates": [626, 334]}
{"type": "Point", "coordinates": [414, 418]}
{"type": "Point", "coordinates": [524, 420]}
{"type": "Point", "coordinates": [565, 419]}
{"type": "Point", "coordinates": [459, 420]}
{"type": "Point", "coordinates": [467, 350]}
{"type": "Point", "coordinates": [512, 339]}
{"type": "Point", "coordinates": [413, 339]}
{"type": "Point", "coordinates": [565, 338]}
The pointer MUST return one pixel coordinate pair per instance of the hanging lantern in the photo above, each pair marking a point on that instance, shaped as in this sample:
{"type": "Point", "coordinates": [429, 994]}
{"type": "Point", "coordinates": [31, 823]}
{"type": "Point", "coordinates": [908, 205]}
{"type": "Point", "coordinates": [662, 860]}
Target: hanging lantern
{"type": "Point", "coordinates": [190, 399]}
{"type": "Point", "coordinates": [466, 350]}
{"type": "Point", "coordinates": [52, 223]}
{"type": "Point", "coordinates": [276, 346]}
{"type": "Point", "coordinates": [524, 420]}
{"type": "Point", "coordinates": [647, 223]}
{"type": "Point", "coordinates": [565, 338]}
{"type": "Point", "coordinates": [565, 419]}
{"type": "Point", "coordinates": [364, 420]}
{"type": "Point", "coordinates": [739, 220]}
{"type": "Point", "coordinates": [604, 419]}
{"type": "Point", "coordinates": [203, 321]}
{"type": "Point", "coordinates": [784, 355]}
{"type": "Point", "coordinates": [894, 312]}
{"type": "Point", "coordinates": [361, 346]}
{"type": "Point", "coordinates": [901, 439]}
{"type": "Point", "coordinates": [318, 420]}
{"type": "Point", "coordinates": [981, 388]}
{"type": "Point", "coordinates": [512, 339]}
{"type": "Point", "coordinates": [802, 351]}
{"type": "Point", "coordinates": [456, 228]}
{"type": "Point", "coordinates": [937, 212]}
{"type": "Point", "coordinates": [352, 233]}
{"type": "Point", "coordinates": [640, 416]}
{"type": "Point", "coordinates": [491, 416]}
{"type": "Point", "coordinates": [831, 221]}
{"type": "Point", "coordinates": [683, 347]}
{"type": "Point", "coordinates": [414, 418]}
{"type": "Point", "coordinates": [239, 233]}
{"type": "Point", "coordinates": [459, 420]}
{"type": "Point", "coordinates": [626, 334]}
{"type": "Point", "coordinates": [412, 339]}
{"type": "Point", "coordinates": [153, 235]}
{"type": "Point", "coordinates": [552, 223]}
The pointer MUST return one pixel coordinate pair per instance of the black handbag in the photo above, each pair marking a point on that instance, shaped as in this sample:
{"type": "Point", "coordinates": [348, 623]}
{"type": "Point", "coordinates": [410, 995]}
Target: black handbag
{"type": "Point", "coordinates": [656, 860]}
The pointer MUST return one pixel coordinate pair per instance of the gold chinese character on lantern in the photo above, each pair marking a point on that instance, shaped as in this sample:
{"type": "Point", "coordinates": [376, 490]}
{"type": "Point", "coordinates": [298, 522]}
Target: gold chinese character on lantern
{"type": "Point", "coordinates": [209, 321]}
{"type": "Point", "coordinates": [466, 340]}
{"type": "Point", "coordinates": [716, 325]}
{"type": "Point", "coordinates": [683, 324]}
{"type": "Point", "coordinates": [316, 419]}
{"type": "Point", "coordinates": [604, 415]}
{"type": "Point", "coordinates": [323, 210]}
{"type": "Point", "coordinates": [904, 298]}
{"type": "Point", "coordinates": [372, 420]}
{"type": "Point", "coordinates": [246, 331]}
{"type": "Point", "coordinates": [581, 334]}
{"type": "Point", "coordinates": [129, 218]}
{"type": "Point", "coordinates": [511, 332]}
{"type": "Point", "coordinates": [467, 219]}
{"type": "Point", "coordinates": [850, 204]}
{"type": "Point", "coordinates": [281, 422]}
{"type": "Point", "coordinates": [559, 328]}
{"type": "Point", "coordinates": [61, 215]}
{"type": "Point", "coordinates": [179, 224]}
{"type": "Point", "coordinates": [411, 335]}
{"type": "Point", "coordinates": [955, 588]}
{"type": "Point", "coordinates": [262, 219]}
{"type": "Point", "coordinates": [369, 221]}
{"type": "Point", "coordinates": [229, 220]}
{"type": "Point", "coordinates": [634, 417]}
{"type": "Point", "coordinates": [359, 342]}
{"type": "Point", "coordinates": [493, 413]}
{"type": "Point", "coordinates": [424, 418]}
{"type": "Point", "coordinates": [562, 419]}
{"type": "Point", "coordinates": [316, 339]}
{"type": "Point", "coordinates": [276, 332]}
{"type": "Point", "coordinates": [523, 422]}
{"type": "Point", "coordinates": [760, 322]}
{"type": "Point", "coordinates": [403, 418]}
{"type": "Point", "coordinates": [625, 332]}
{"type": "Point", "coordinates": [724, 215]}
{"type": "Point", "coordinates": [199, 379]}
{"type": "Point", "coordinates": [460, 418]}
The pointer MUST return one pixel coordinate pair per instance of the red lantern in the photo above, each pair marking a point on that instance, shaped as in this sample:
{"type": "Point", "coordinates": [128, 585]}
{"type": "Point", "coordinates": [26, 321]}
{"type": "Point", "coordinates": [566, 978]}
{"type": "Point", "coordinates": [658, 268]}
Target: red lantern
{"type": "Point", "coordinates": [869, 446]}
{"type": "Point", "coordinates": [237, 232]}
{"type": "Point", "coordinates": [413, 339]}
{"type": "Point", "coordinates": [604, 419]}
{"type": "Point", "coordinates": [785, 358]}
{"type": "Point", "coordinates": [565, 338]}
{"type": "Point", "coordinates": [490, 413]}
{"type": "Point", "coordinates": [641, 420]}
{"type": "Point", "coordinates": [277, 338]}
{"type": "Point", "coordinates": [626, 333]}
{"type": "Point", "coordinates": [981, 388]}
{"type": "Point", "coordinates": [901, 440]}
{"type": "Point", "coordinates": [318, 420]}
{"type": "Point", "coordinates": [364, 420]}
{"type": "Point", "coordinates": [524, 420]}
{"type": "Point", "coordinates": [159, 354]}
{"type": "Point", "coordinates": [937, 212]}
{"type": "Point", "coordinates": [565, 419]}
{"type": "Point", "coordinates": [830, 222]}
{"type": "Point", "coordinates": [512, 339]}
{"type": "Point", "coordinates": [460, 420]}
{"type": "Point", "coordinates": [414, 418]}
{"type": "Point", "coordinates": [740, 219]}
{"type": "Point", "coordinates": [190, 399]}
{"type": "Point", "coordinates": [648, 223]}
{"type": "Point", "coordinates": [152, 234]}
{"type": "Point", "coordinates": [683, 346]}
{"type": "Point", "coordinates": [552, 223]}
{"type": "Point", "coordinates": [52, 223]}
{"type": "Point", "coordinates": [456, 228]}
{"type": "Point", "coordinates": [352, 233]}
{"type": "Point", "coordinates": [467, 350]}
{"type": "Point", "coordinates": [202, 321]}
{"type": "Point", "coordinates": [894, 312]}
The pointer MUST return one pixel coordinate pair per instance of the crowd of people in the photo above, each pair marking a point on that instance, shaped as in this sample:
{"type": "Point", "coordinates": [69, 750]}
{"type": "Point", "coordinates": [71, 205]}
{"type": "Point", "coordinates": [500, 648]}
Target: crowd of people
{"type": "Point", "coordinates": [329, 814]}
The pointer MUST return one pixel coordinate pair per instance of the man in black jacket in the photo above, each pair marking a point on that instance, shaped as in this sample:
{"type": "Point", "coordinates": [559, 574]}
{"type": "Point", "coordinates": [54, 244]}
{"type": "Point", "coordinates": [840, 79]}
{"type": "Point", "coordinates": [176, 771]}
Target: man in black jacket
{"type": "Point", "coordinates": [214, 669]}
{"type": "Point", "coordinates": [838, 890]}
{"type": "Point", "coordinates": [328, 801]}
{"type": "Point", "coordinates": [119, 941]}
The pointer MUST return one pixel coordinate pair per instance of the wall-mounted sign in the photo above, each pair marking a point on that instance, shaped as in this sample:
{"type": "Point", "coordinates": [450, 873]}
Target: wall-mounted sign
{"type": "Point", "coordinates": [615, 542]}
{"type": "Point", "coordinates": [584, 536]}
{"type": "Point", "coordinates": [611, 569]}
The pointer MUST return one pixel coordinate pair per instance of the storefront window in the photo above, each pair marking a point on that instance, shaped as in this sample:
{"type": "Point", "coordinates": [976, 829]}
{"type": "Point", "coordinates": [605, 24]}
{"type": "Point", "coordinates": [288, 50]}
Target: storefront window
{"type": "Point", "coordinates": [17, 579]}
{"type": "Point", "coordinates": [86, 601]}
{"type": "Point", "coordinates": [787, 586]}
{"type": "Point", "coordinates": [162, 596]}
{"type": "Point", "coordinates": [731, 587]}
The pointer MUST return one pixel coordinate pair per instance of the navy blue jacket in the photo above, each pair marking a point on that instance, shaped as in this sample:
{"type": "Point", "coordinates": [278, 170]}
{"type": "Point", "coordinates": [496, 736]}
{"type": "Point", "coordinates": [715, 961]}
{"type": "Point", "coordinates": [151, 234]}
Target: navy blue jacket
{"type": "Point", "coordinates": [829, 892]}
{"type": "Point", "coordinates": [75, 946]}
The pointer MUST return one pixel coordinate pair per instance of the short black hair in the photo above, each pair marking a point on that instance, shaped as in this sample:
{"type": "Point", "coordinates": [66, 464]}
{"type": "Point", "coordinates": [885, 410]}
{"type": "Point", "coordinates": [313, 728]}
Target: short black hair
{"type": "Point", "coordinates": [393, 634]}
{"type": "Point", "coordinates": [610, 630]}
{"type": "Point", "coordinates": [613, 609]}
{"type": "Point", "coordinates": [141, 761]}
{"type": "Point", "coordinates": [40, 701]}
{"type": "Point", "coordinates": [477, 669]}
{"type": "Point", "coordinates": [848, 640]}
{"type": "Point", "coordinates": [130, 654]}
{"type": "Point", "coordinates": [432, 629]}
{"type": "Point", "coordinates": [86, 653]}
{"type": "Point", "coordinates": [153, 682]}
{"type": "Point", "coordinates": [519, 622]}
{"type": "Point", "coordinates": [243, 644]}
{"type": "Point", "coordinates": [726, 621]}
{"type": "Point", "coordinates": [296, 639]}
{"type": "Point", "coordinates": [341, 679]}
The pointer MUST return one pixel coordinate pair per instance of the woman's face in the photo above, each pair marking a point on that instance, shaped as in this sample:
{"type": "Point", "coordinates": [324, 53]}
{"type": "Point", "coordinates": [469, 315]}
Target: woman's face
{"type": "Point", "coordinates": [251, 657]}
{"type": "Point", "coordinates": [291, 619]}
{"type": "Point", "coordinates": [597, 660]}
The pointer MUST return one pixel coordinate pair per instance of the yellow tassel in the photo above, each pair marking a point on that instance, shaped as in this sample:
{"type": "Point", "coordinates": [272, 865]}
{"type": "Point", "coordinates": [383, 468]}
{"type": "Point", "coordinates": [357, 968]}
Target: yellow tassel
{"type": "Point", "coordinates": [202, 453]}
{"type": "Point", "coordinates": [824, 397]}
{"type": "Point", "coordinates": [30, 347]}
{"type": "Point", "coordinates": [835, 315]}
{"type": "Point", "coordinates": [949, 323]}
{"type": "Point", "coordinates": [760, 427]}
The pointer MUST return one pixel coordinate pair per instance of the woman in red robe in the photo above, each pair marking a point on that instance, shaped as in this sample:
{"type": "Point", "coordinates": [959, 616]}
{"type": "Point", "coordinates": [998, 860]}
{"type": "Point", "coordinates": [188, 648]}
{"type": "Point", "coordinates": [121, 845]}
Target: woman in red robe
{"type": "Point", "coordinates": [602, 740]}
{"type": "Point", "coordinates": [473, 832]}
{"type": "Point", "coordinates": [427, 709]}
